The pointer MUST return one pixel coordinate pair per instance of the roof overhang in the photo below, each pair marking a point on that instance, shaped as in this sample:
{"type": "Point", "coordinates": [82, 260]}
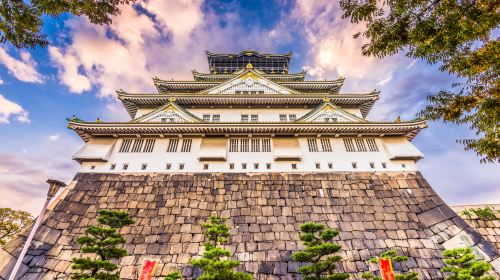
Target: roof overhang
{"type": "Point", "coordinates": [133, 102]}
{"type": "Point", "coordinates": [89, 130]}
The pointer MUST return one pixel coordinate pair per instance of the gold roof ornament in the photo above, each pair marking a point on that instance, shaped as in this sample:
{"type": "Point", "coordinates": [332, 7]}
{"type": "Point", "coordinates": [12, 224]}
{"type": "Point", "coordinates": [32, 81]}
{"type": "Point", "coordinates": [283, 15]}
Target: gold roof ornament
{"type": "Point", "coordinates": [98, 120]}
{"type": "Point", "coordinates": [249, 66]}
{"type": "Point", "coordinates": [326, 99]}
{"type": "Point", "coordinates": [172, 99]}
{"type": "Point", "coordinates": [398, 119]}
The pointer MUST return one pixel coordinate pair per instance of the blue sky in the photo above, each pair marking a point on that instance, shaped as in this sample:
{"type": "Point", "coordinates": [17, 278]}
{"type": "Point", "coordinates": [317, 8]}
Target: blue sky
{"type": "Point", "coordinates": [85, 64]}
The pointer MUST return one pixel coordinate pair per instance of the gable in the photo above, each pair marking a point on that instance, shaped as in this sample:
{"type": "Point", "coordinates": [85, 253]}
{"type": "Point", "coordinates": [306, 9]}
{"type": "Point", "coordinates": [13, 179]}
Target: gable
{"type": "Point", "coordinates": [329, 113]}
{"type": "Point", "coordinates": [169, 113]}
{"type": "Point", "coordinates": [249, 82]}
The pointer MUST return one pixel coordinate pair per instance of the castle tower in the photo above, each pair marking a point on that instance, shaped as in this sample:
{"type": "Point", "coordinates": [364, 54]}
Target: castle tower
{"type": "Point", "coordinates": [265, 148]}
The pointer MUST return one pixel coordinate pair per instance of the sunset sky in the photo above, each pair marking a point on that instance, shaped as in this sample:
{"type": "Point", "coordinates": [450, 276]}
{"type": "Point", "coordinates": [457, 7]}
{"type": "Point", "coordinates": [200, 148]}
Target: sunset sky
{"type": "Point", "coordinates": [85, 64]}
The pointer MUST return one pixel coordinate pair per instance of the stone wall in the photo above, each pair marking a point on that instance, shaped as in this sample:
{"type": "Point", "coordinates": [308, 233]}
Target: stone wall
{"type": "Point", "coordinates": [373, 211]}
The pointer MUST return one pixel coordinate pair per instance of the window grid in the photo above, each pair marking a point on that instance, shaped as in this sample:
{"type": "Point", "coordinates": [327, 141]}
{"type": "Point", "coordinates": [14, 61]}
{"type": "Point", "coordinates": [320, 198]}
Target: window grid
{"type": "Point", "coordinates": [282, 118]}
{"type": "Point", "coordinates": [137, 147]}
{"type": "Point", "coordinates": [266, 145]}
{"type": "Point", "coordinates": [125, 147]}
{"type": "Point", "coordinates": [244, 145]}
{"type": "Point", "coordinates": [233, 145]}
{"type": "Point", "coordinates": [292, 118]}
{"type": "Point", "coordinates": [216, 118]}
{"type": "Point", "coordinates": [312, 144]}
{"type": "Point", "coordinates": [172, 145]}
{"type": "Point", "coordinates": [349, 145]}
{"type": "Point", "coordinates": [326, 145]}
{"type": "Point", "coordinates": [255, 145]}
{"type": "Point", "coordinates": [206, 118]}
{"type": "Point", "coordinates": [149, 146]}
{"type": "Point", "coordinates": [254, 118]}
{"type": "Point", "coordinates": [186, 145]}
{"type": "Point", "coordinates": [244, 118]}
{"type": "Point", "coordinates": [372, 145]}
{"type": "Point", "coordinates": [360, 145]}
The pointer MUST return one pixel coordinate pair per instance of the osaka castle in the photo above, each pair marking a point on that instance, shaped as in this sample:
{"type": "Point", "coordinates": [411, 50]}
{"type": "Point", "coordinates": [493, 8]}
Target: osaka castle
{"type": "Point", "coordinates": [265, 148]}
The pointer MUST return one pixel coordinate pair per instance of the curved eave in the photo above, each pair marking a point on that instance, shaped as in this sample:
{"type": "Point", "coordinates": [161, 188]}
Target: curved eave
{"type": "Point", "coordinates": [196, 86]}
{"type": "Point", "coordinates": [205, 77]}
{"type": "Point", "coordinates": [133, 102]}
{"type": "Point", "coordinates": [246, 53]}
{"type": "Point", "coordinates": [89, 130]}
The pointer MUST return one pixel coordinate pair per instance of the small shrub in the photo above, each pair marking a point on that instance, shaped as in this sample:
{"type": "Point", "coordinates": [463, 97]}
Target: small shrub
{"type": "Point", "coordinates": [462, 264]}
{"type": "Point", "coordinates": [319, 252]}
{"type": "Point", "coordinates": [486, 214]}
{"type": "Point", "coordinates": [103, 242]}
{"type": "Point", "coordinates": [215, 263]}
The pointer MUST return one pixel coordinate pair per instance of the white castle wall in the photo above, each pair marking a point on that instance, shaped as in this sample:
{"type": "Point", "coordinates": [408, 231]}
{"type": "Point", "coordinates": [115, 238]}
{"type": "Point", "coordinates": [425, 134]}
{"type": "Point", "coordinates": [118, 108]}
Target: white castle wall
{"type": "Point", "coordinates": [340, 159]}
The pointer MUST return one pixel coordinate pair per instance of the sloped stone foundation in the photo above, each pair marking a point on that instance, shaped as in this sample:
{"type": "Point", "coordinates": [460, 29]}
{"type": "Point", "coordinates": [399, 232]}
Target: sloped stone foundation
{"type": "Point", "coordinates": [373, 211]}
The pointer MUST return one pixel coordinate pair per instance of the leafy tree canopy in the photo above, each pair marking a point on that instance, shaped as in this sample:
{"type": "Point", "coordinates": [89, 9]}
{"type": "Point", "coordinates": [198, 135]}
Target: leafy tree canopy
{"type": "Point", "coordinates": [103, 242]}
{"type": "Point", "coordinates": [457, 34]}
{"type": "Point", "coordinates": [21, 21]}
{"type": "Point", "coordinates": [462, 264]}
{"type": "Point", "coordinates": [215, 262]}
{"type": "Point", "coordinates": [320, 252]}
{"type": "Point", "coordinates": [12, 222]}
{"type": "Point", "coordinates": [486, 214]}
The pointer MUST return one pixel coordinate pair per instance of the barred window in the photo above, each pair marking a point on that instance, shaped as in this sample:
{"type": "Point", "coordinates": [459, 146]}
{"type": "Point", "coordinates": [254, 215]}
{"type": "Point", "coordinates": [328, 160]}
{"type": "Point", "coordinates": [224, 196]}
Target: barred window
{"type": "Point", "coordinates": [360, 144]}
{"type": "Point", "coordinates": [255, 145]}
{"type": "Point", "coordinates": [172, 145]}
{"type": "Point", "coordinates": [186, 145]}
{"type": "Point", "coordinates": [149, 145]}
{"type": "Point", "coordinates": [206, 118]}
{"type": "Point", "coordinates": [244, 145]}
{"type": "Point", "coordinates": [349, 145]}
{"type": "Point", "coordinates": [292, 118]}
{"type": "Point", "coordinates": [266, 145]}
{"type": "Point", "coordinates": [282, 118]}
{"type": "Point", "coordinates": [215, 118]}
{"type": "Point", "coordinates": [254, 118]}
{"type": "Point", "coordinates": [330, 120]}
{"type": "Point", "coordinates": [233, 145]}
{"type": "Point", "coordinates": [125, 147]}
{"type": "Point", "coordinates": [325, 145]}
{"type": "Point", "coordinates": [137, 146]}
{"type": "Point", "coordinates": [244, 118]}
{"type": "Point", "coordinates": [372, 145]}
{"type": "Point", "coordinates": [313, 145]}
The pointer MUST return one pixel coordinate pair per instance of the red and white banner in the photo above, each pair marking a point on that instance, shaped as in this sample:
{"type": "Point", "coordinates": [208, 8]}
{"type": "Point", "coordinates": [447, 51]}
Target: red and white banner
{"type": "Point", "coordinates": [386, 269]}
{"type": "Point", "coordinates": [148, 270]}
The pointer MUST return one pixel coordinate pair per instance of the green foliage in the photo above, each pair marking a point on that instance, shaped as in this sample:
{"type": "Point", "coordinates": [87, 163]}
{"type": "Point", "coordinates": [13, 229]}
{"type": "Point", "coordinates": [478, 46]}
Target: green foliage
{"type": "Point", "coordinates": [21, 21]}
{"type": "Point", "coordinates": [486, 214]}
{"type": "Point", "coordinates": [462, 264]}
{"type": "Point", "coordinates": [215, 263]}
{"type": "Point", "coordinates": [319, 252]}
{"type": "Point", "coordinates": [102, 241]}
{"type": "Point", "coordinates": [459, 36]}
{"type": "Point", "coordinates": [12, 222]}
{"type": "Point", "coordinates": [173, 276]}
{"type": "Point", "coordinates": [395, 258]}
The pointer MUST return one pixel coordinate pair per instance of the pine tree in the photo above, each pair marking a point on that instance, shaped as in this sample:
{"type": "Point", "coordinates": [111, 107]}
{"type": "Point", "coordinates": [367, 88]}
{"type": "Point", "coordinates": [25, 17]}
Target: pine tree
{"type": "Point", "coordinates": [462, 264]}
{"type": "Point", "coordinates": [215, 263]}
{"type": "Point", "coordinates": [102, 241]}
{"type": "Point", "coordinates": [393, 256]}
{"type": "Point", "coordinates": [319, 252]}
{"type": "Point", "coordinates": [173, 276]}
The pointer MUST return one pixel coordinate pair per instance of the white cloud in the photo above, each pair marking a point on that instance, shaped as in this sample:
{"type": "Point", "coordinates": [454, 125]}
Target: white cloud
{"type": "Point", "coordinates": [54, 137]}
{"type": "Point", "coordinates": [23, 172]}
{"type": "Point", "coordinates": [9, 108]}
{"type": "Point", "coordinates": [23, 69]}
{"type": "Point", "coordinates": [334, 52]}
{"type": "Point", "coordinates": [168, 42]}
